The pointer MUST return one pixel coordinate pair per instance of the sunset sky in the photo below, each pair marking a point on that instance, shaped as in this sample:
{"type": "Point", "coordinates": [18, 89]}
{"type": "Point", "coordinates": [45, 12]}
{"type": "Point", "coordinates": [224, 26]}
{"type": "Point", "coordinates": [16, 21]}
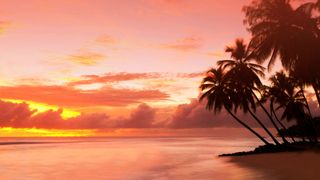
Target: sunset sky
{"type": "Point", "coordinates": [90, 66]}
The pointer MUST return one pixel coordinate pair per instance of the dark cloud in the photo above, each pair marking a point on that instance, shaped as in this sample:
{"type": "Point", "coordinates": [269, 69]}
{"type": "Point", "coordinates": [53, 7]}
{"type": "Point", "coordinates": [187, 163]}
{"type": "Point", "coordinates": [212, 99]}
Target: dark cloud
{"type": "Point", "coordinates": [12, 114]}
{"type": "Point", "coordinates": [191, 115]}
{"type": "Point", "coordinates": [195, 115]}
{"type": "Point", "coordinates": [20, 116]}
{"type": "Point", "coordinates": [142, 117]}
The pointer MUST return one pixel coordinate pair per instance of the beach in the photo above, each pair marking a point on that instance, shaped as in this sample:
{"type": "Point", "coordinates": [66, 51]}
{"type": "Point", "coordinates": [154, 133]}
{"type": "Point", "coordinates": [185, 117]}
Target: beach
{"type": "Point", "coordinates": [286, 165]}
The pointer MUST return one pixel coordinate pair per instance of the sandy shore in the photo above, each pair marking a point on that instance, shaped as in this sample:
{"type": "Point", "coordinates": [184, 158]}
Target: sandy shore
{"type": "Point", "coordinates": [288, 165]}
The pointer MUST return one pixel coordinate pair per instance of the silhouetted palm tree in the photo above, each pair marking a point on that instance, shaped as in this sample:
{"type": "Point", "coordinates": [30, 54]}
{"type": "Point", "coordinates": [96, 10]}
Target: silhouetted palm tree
{"type": "Point", "coordinates": [287, 94]}
{"type": "Point", "coordinates": [279, 30]}
{"type": "Point", "coordinates": [268, 97]}
{"type": "Point", "coordinates": [244, 76]}
{"type": "Point", "coordinates": [218, 91]}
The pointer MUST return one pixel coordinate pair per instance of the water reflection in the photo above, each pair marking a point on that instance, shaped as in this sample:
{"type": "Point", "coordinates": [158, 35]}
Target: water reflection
{"type": "Point", "coordinates": [123, 158]}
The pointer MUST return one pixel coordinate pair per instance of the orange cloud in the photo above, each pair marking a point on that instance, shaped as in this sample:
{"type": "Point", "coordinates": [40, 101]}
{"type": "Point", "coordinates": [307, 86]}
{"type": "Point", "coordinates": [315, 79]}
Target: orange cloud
{"type": "Point", "coordinates": [86, 58]}
{"type": "Point", "coordinates": [72, 97]}
{"type": "Point", "coordinates": [185, 44]}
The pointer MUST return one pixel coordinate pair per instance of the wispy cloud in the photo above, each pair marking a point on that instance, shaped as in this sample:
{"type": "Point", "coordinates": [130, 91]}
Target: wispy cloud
{"type": "Point", "coordinates": [185, 44]}
{"type": "Point", "coordinates": [105, 39]}
{"type": "Point", "coordinates": [216, 54]}
{"type": "Point", "coordinates": [190, 75]}
{"type": "Point", "coordinates": [86, 58]}
{"type": "Point", "coordinates": [113, 77]}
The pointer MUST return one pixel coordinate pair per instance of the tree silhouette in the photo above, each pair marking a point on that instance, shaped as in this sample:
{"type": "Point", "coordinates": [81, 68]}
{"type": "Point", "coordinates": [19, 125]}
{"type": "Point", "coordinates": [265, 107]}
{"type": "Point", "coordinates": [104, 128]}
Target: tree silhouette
{"type": "Point", "coordinates": [220, 93]}
{"type": "Point", "coordinates": [244, 76]}
{"type": "Point", "coordinates": [279, 30]}
{"type": "Point", "coordinates": [289, 96]}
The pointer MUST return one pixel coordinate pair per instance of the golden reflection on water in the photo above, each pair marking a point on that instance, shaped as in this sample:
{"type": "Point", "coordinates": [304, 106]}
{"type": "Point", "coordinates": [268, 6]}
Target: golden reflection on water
{"type": "Point", "coordinates": [123, 158]}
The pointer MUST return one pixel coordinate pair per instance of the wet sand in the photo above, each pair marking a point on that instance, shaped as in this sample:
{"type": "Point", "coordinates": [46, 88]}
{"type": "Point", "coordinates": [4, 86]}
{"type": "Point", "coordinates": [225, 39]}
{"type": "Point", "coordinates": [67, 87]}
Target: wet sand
{"type": "Point", "coordinates": [287, 165]}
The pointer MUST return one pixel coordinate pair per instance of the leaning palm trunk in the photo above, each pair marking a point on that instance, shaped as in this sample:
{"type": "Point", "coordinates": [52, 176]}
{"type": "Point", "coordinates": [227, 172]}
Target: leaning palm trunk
{"type": "Point", "coordinates": [314, 127]}
{"type": "Point", "coordinates": [306, 101]}
{"type": "Point", "coordinates": [264, 127]}
{"type": "Point", "coordinates": [271, 119]}
{"type": "Point", "coordinates": [281, 124]}
{"type": "Point", "coordinates": [248, 127]}
{"type": "Point", "coordinates": [314, 86]}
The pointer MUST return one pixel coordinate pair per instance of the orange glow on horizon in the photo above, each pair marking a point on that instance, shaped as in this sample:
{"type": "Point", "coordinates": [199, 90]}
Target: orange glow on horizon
{"type": "Point", "coordinates": [34, 132]}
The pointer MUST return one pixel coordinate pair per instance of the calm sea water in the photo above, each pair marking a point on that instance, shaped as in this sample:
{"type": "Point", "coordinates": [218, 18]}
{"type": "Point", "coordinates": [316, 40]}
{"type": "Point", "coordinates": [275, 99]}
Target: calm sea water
{"type": "Point", "coordinates": [123, 158]}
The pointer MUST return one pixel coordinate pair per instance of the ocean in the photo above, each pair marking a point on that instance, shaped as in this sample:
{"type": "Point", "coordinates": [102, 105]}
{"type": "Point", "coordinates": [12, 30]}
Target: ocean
{"type": "Point", "coordinates": [123, 158]}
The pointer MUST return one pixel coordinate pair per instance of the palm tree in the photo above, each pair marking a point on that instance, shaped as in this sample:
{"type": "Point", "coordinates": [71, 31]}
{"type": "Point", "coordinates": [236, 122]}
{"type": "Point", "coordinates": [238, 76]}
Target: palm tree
{"type": "Point", "coordinates": [279, 30]}
{"type": "Point", "coordinates": [267, 96]}
{"type": "Point", "coordinates": [245, 79]}
{"type": "Point", "coordinates": [286, 95]}
{"type": "Point", "coordinates": [285, 92]}
{"type": "Point", "coordinates": [219, 93]}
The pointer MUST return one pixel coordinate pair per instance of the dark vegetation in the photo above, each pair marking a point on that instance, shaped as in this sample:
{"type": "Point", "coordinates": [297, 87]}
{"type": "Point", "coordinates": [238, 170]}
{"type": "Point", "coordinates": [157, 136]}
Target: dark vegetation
{"type": "Point", "coordinates": [279, 32]}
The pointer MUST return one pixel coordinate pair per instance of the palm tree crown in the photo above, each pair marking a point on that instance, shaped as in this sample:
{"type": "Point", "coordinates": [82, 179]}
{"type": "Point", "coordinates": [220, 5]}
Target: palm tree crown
{"type": "Point", "coordinates": [220, 93]}
{"type": "Point", "coordinates": [216, 90]}
{"type": "Point", "coordinates": [288, 96]}
{"type": "Point", "coordinates": [293, 34]}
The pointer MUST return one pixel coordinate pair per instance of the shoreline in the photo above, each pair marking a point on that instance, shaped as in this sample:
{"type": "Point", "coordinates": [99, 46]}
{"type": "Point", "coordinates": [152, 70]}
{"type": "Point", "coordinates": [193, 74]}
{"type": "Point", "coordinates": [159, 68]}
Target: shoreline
{"type": "Point", "coordinates": [282, 165]}
{"type": "Point", "coordinates": [268, 149]}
